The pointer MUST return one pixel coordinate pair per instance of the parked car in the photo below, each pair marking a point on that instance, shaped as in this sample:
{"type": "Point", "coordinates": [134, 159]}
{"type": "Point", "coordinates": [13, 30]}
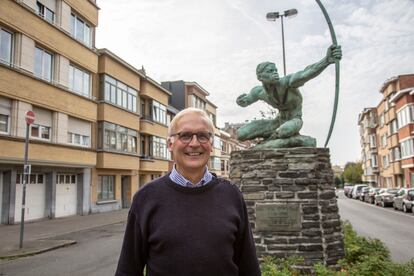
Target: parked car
{"type": "Point", "coordinates": [347, 190]}
{"type": "Point", "coordinates": [399, 199]}
{"type": "Point", "coordinates": [370, 196]}
{"type": "Point", "coordinates": [357, 189]}
{"type": "Point", "coordinates": [385, 197]}
{"type": "Point", "coordinates": [363, 192]}
{"type": "Point", "coordinates": [408, 201]}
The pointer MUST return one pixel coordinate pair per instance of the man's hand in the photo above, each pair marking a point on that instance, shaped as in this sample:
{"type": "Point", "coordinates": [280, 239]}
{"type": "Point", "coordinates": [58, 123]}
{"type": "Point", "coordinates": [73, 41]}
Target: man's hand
{"type": "Point", "coordinates": [243, 100]}
{"type": "Point", "coordinates": [334, 53]}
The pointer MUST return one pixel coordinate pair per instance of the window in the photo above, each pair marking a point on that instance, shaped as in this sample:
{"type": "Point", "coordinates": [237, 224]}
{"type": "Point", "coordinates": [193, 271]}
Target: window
{"type": "Point", "coordinates": [118, 138]}
{"type": "Point", "coordinates": [33, 178]}
{"type": "Point", "coordinates": [405, 115]}
{"type": "Point", "coordinates": [393, 126]}
{"type": "Point", "coordinates": [198, 102]}
{"type": "Point", "coordinates": [384, 140]}
{"type": "Point", "coordinates": [43, 64]}
{"type": "Point", "coordinates": [45, 12]}
{"type": "Point", "coordinates": [106, 187]}
{"type": "Point", "coordinates": [119, 93]}
{"type": "Point", "coordinates": [159, 112]}
{"type": "Point", "coordinates": [78, 139]}
{"type": "Point", "coordinates": [79, 81]}
{"type": "Point", "coordinates": [159, 147]}
{"type": "Point", "coordinates": [5, 46]}
{"type": "Point", "coordinates": [5, 110]}
{"type": "Point", "coordinates": [212, 117]}
{"type": "Point", "coordinates": [385, 162]}
{"type": "Point", "coordinates": [382, 120]}
{"type": "Point", "coordinates": [66, 178]}
{"type": "Point", "coordinates": [395, 154]}
{"type": "Point", "coordinates": [374, 161]}
{"type": "Point", "coordinates": [372, 141]}
{"type": "Point", "coordinates": [217, 142]}
{"type": "Point", "coordinates": [407, 148]}
{"type": "Point", "coordinates": [80, 30]}
{"type": "Point", "coordinates": [215, 163]}
{"type": "Point", "coordinates": [40, 132]}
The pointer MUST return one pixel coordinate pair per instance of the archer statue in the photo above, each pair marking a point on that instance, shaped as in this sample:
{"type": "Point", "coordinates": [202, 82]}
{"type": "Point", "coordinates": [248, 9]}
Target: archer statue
{"type": "Point", "coordinates": [284, 95]}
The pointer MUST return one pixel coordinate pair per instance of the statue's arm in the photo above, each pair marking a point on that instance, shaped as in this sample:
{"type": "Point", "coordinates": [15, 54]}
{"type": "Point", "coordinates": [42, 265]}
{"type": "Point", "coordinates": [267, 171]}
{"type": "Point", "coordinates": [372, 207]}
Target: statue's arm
{"type": "Point", "coordinates": [253, 96]}
{"type": "Point", "coordinates": [300, 78]}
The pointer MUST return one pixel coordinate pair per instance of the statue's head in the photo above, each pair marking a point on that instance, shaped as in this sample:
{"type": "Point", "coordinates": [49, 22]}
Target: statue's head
{"type": "Point", "coordinates": [267, 72]}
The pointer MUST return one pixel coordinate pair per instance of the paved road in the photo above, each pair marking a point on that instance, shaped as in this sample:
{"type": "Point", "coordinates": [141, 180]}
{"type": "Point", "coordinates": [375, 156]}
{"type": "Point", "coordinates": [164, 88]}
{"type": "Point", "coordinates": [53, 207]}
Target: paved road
{"type": "Point", "coordinates": [394, 228]}
{"type": "Point", "coordinates": [96, 253]}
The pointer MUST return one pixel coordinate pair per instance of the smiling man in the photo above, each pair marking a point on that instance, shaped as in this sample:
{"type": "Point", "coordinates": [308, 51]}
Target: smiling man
{"type": "Point", "coordinates": [189, 222]}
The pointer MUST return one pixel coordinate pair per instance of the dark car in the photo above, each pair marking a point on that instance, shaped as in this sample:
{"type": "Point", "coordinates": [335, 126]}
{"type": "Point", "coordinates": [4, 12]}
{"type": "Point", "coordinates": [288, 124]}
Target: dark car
{"type": "Point", "coordinates": [370, 196]}
{"type": "Point", "coordinates": [408, 201]}
{"type": "Point", "coordinates": [399, 199]}
{"type": "Point", "coordinates": [363, 192]}
{"type": "Point", "coordinates": [385, 197]}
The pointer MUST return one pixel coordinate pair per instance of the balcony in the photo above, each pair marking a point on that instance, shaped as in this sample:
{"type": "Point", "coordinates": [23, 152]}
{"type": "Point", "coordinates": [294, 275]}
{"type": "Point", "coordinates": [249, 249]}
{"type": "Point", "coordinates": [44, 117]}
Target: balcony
{"type": "Point", "coordinates": [108, 160]}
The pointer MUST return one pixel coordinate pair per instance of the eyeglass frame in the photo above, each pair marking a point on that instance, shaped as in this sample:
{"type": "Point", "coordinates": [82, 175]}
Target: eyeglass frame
{"type": "Point", "coordinates": [192, 136]}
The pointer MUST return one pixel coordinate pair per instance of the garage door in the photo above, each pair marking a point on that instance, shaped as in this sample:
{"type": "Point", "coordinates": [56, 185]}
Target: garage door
{"type": "Point", "coordinates": [35, 197]}
{"type": "Point", "coordinates": [66, 195]}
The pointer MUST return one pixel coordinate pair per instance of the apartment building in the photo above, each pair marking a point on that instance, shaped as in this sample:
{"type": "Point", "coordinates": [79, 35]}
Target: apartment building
{"type": "Point", "coordinates": [403, 102]}
{"type": "Point", "coordinates": [394, 143]}
{"type": "Point", "coordinates": [229, 143]}
{"type": "Point", "coordinates": [368, 122]}
{"type": "Point", "coordinates": [48, 65]}
{"type": "Point", "coordinates": [100, 124]}
{"type": "Point", "coordinates": [190, 94]}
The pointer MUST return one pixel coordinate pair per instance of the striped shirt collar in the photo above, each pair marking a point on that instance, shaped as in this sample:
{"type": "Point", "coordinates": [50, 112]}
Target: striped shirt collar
{"type": "Point", "coordinates": [177, 178]}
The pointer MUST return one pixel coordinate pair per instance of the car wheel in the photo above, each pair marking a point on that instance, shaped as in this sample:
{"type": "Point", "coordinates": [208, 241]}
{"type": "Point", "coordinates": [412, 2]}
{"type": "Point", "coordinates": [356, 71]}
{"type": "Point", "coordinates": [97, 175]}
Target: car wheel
{"type": "Point", "coordinates": [395, 206]}
{"type": "Point", "coordinates": [372, 201]}
{"type": "Point", "coordinates": [405, 208]}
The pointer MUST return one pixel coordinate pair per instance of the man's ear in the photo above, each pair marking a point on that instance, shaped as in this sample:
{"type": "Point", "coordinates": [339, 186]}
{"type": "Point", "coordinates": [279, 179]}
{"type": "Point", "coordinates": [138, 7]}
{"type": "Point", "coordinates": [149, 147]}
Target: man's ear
{"type": "Point", "coordinates": [170, 143]}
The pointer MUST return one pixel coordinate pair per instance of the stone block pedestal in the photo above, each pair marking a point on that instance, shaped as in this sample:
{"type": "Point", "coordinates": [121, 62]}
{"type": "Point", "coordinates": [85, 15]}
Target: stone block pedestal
{"type": "Point", "coordinates": [291, 203]}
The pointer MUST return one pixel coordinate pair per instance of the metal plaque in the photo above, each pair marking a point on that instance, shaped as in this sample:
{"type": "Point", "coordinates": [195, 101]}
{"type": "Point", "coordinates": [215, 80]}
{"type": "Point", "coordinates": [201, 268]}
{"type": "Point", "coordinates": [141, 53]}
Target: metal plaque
{"type": "Point", "coordinates": [278, 217]}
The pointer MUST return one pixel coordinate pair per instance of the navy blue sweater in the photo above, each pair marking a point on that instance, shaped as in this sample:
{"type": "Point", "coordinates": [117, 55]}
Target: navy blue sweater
{"type": "Point", "coordinates": [179, 231]}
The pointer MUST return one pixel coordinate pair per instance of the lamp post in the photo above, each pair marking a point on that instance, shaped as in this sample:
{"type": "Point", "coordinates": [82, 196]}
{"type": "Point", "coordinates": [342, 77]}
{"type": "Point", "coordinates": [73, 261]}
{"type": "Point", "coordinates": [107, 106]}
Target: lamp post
{"type": "Point", "coordinates": [272, 16]}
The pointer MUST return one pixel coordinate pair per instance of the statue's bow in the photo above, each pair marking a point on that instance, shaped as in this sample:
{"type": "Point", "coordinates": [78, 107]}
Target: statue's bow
{"type": "Point", "coordinates": [334, 42]}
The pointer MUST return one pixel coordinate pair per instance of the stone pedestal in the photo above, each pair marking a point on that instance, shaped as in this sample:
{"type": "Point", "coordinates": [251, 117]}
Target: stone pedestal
{"type": "Point", "coordinates": [291, 203]}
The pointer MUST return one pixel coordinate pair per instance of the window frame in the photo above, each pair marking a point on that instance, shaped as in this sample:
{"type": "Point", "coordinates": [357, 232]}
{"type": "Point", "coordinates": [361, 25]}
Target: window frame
{"type": "Point", "coordinates": [10, 46]}
{"type": "Point", "coordinates": [75, 31]}
{"type": "Point", "coordinates": [117, 138]}
{"type": "Point", "coordinates": [40, 131]}
{"type": "Point", "coordinates": [72, 79]}
{"type": "Point", "coordinates": [42, 74]}
{"type": "Point", "coordinates": [158, 112]}
{"type": "Point", "coordinates": [7, 123]}
{"type": "Point", "coordinates": [119, 94]}
{"type": "Point", "coordinates": [40, 9]}
{"type": "Point", "coordinates": [100, 188]}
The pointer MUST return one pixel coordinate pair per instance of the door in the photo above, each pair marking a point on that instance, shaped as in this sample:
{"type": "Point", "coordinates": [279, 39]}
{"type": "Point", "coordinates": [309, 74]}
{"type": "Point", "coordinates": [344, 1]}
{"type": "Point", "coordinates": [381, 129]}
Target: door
{"type": "Point", "coordinates": [35, 197]}
{"type": "Point", "coordinates": [126, 191]}
{"type": "Point", "coordinates": [66, 195]}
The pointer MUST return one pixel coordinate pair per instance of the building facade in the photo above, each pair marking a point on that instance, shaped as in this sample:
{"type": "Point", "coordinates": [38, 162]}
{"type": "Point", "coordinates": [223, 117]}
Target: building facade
{"type": "Point", "coordinates": [100, 124]}
{"type": "Point", "coordinates": [392, 141]}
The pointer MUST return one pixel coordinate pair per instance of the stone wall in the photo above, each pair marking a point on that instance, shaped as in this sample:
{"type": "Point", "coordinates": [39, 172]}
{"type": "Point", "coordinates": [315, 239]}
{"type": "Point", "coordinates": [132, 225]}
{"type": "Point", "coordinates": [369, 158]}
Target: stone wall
{"type": "Point", "coordinates": [291, 203]}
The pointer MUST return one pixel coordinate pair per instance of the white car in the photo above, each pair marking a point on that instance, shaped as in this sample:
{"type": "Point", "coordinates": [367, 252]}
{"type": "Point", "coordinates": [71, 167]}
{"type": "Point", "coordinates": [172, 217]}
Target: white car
{"type": "Point", "coordinates": [357, 189]}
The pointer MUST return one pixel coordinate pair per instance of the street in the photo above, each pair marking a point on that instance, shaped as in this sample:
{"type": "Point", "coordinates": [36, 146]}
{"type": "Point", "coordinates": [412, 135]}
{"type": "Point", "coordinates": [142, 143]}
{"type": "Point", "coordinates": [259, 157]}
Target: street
{"type": "Point", "coordinates": [394, 228]}
{"type": "Point", "coordinates": [96, 253]}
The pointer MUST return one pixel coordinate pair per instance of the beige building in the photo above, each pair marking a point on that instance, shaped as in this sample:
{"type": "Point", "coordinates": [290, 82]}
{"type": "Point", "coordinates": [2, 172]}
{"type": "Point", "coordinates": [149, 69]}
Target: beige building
{"type": "Point", "coordinates": [100, 124]}
{"type": "Point", "coordinates": [368, 122]}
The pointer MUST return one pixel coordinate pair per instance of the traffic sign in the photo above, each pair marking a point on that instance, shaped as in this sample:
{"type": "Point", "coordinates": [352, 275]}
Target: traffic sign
{"type": "Point", "coordinates": [30, 117]}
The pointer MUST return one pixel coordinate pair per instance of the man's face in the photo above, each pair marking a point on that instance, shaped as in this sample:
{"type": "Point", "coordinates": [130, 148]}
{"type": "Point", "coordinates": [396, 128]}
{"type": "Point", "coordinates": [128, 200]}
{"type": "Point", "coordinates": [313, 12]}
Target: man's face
{"type": "Point", "coordinates": [193, 156]}
{"type": "Point", "coordinates": [269, 74]}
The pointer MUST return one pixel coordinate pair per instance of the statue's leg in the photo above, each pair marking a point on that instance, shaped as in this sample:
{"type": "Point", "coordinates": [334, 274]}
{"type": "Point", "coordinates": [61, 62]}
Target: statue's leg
{"type": "Point", "coordinates": [289, 128]}
{"type": "Point", "coordinates": [257, 129]}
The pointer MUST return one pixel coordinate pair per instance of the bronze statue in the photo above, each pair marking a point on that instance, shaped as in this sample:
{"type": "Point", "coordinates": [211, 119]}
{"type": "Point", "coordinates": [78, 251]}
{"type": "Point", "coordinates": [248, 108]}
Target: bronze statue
{"type": "Point", "coordinates": [284, 95]}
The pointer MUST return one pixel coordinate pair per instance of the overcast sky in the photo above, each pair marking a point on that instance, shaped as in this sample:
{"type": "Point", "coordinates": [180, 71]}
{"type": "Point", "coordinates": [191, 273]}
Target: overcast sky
{"type": "Point", "coordinates": [218, 44]}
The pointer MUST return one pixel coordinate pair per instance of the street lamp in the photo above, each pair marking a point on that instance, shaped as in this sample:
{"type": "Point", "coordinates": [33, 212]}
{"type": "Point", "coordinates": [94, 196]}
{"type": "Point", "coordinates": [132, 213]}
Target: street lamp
{"type": "Point", "coordinates": [272, 16]}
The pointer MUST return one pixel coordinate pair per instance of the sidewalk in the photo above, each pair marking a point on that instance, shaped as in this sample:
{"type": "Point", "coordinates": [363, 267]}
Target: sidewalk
{"type": "Point", "coordinates": [40, 236]}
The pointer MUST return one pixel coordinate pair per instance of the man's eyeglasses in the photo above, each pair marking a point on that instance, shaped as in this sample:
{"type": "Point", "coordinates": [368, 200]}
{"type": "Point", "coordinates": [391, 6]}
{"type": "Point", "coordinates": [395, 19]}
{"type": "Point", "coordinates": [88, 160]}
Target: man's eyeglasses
{"type": "Point", "coordinates": [186, 136]}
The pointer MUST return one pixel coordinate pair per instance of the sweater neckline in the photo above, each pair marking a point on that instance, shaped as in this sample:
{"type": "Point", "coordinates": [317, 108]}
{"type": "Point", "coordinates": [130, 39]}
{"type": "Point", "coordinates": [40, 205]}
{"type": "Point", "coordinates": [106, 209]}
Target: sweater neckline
{"type": "Point", "coordinates": [214, 181]}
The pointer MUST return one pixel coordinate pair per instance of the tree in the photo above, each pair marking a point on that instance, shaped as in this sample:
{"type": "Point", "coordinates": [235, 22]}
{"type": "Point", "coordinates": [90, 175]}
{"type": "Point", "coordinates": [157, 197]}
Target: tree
{"type": "Point", "coordinates": [353, 172]}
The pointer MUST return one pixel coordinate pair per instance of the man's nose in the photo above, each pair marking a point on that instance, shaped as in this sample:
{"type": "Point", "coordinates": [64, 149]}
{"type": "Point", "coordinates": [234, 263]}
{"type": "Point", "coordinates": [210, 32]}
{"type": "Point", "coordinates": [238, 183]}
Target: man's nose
{"type": "Point", "coordinates": [194, 141]}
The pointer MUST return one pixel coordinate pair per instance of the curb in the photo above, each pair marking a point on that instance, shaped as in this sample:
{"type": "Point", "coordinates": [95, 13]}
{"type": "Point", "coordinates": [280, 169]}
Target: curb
{"type": "Point", "coordinates": [36, 247]}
